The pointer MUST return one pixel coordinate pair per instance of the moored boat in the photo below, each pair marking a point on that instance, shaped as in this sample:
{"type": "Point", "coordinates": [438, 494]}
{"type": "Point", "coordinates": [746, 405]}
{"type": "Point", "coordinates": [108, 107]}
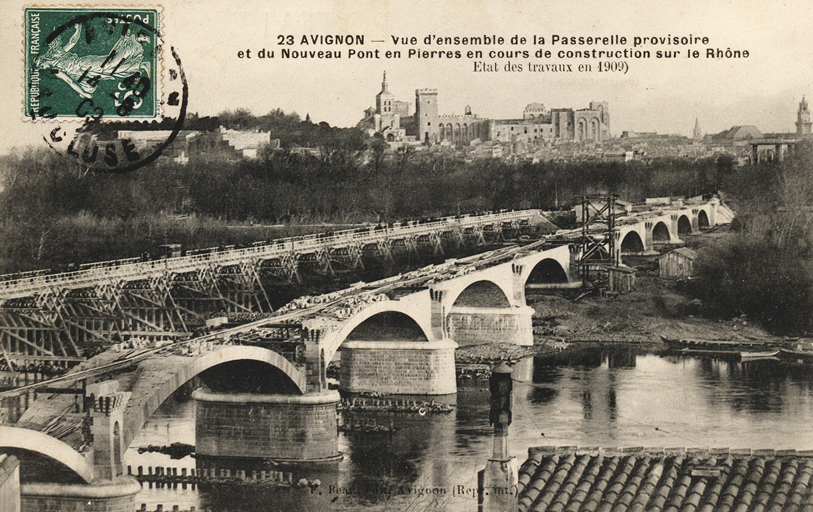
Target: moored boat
{"type": "Point", "coordinates": [760, 356]}
{"type": "Point", "coordinates": [796, 356]}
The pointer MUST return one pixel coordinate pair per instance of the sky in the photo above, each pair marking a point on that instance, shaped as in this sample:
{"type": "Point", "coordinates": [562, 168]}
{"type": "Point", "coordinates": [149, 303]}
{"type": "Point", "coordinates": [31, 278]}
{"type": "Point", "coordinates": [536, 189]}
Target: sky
{"type": "Point", "coordinates": [663, 95]}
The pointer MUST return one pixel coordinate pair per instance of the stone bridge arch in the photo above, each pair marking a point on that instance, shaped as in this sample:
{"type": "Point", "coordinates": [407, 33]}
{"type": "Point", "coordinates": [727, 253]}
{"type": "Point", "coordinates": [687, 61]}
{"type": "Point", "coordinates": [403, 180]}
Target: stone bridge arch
{"type": "Point", "coordinates": [553, 264]}
{"type": "Point", "coordinates": [703, 220]}
{"type": "Point", "coordinates": [496, 313]}
{"type": "Point", "coordinates": [34, 441]}
{"type": "Point", "coordinates": [548, 271]}
{"type": "Point", "coordinates": [483, 293]}
{"type": "Point", "coordinates": [661, 232]}
{"type": "Point", "coordinates": [393, 367]}
{"type": "Point", "coordinates": [166, 376]}
{"type": "Point", "coordinates": [632, 242]}
{"type": "Point", "coordinates": [413, 309]}
{"type": "Point", "coordinates": [498, 276]}
{"type": "Point", "coordinates": [684, 225]}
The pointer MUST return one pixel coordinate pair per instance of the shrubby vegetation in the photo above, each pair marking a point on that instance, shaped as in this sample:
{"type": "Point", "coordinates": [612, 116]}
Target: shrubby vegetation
{"type": "Point", "coordinates": [53, 212]}
{"type": "Point", "coordinates": [765, 269]}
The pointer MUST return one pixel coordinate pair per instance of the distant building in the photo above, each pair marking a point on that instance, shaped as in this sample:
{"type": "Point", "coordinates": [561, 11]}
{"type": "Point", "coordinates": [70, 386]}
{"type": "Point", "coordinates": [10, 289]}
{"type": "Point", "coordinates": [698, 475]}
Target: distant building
{"type": "Point", "coordinates": [803, 123]}
{"type": "Point", "coordinates": [247, 144]}
{"type": "Point", "coordinates": [697, 134]}
{"type": "Point", "coordinates": [678, 263]}
{"type": "Point", "coordinates": [390, 118]}
{"type": "Point", "coordinates": [177, 152]}
{"type": "Point", "coordinates": [736, 134]}
{"type": "Point", "coordinates": [537, 125]}
{"type": "Point", "coordinates": [533, 111]}
{"type": "Point", "coordinates": [434, 128]}
{"type": "Point", "coordinates": [619, 156]}
{"type": "Point", "coordinates": [629, 134]}
{"type": "Point", "coordinates": [239, 144]}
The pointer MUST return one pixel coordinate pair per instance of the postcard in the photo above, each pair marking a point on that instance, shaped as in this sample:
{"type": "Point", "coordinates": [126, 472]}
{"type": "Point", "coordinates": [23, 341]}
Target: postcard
{"type": "Point", "coordinates": [255, 253]}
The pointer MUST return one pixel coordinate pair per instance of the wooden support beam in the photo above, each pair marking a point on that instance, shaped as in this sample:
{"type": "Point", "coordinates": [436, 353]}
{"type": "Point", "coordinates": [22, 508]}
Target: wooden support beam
{"type": "Point", "coordinates": [52, 327]}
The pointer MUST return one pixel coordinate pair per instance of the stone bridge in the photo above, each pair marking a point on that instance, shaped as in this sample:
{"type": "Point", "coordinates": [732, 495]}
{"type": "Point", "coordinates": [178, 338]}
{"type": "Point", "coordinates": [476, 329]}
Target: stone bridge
{"type": "Point", "coordinates": [262, 386]}
{"type": "Point", "coordinates": [46, 316]}
{"type": "Point", "coordinates": [271, 398]}
{"type": "Point", "coordinates": [640, 234]}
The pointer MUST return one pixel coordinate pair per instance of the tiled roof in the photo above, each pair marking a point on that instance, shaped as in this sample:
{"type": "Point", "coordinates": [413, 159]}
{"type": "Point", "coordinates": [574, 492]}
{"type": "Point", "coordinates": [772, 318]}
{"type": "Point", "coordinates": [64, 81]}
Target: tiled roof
{"type": "Point", "coordinates": [569, 479]}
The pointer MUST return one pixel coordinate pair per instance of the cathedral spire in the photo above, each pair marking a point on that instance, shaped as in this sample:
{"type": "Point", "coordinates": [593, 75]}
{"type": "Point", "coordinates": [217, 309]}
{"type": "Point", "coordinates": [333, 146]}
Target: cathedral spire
{"type": "Point", "coordinates": [697, 134]}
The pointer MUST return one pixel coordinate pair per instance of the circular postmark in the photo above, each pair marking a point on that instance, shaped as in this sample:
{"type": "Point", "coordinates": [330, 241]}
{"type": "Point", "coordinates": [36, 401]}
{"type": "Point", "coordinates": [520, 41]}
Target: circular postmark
{"type": "Point", "coordinates": [104, 87]}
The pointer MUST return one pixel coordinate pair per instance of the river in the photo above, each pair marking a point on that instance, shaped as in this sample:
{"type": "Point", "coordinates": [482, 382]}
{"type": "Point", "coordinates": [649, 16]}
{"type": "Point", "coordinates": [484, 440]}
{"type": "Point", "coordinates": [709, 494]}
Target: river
{"type": "Point", "coordinates": [611, 398]}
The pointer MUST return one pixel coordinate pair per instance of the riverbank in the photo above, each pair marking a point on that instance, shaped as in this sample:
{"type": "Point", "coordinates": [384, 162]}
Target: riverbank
{"type": "Point", "coordinates": [656, 308]}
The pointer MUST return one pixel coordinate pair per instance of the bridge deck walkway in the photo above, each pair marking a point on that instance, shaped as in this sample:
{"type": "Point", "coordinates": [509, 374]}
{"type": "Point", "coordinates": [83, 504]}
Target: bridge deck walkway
{"type": "Point", "coordinates": [93, 274]}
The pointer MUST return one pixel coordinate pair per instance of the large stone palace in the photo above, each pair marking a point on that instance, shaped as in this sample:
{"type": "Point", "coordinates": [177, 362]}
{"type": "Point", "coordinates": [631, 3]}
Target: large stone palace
{"type": "Point", "coordinates": [391, 118]}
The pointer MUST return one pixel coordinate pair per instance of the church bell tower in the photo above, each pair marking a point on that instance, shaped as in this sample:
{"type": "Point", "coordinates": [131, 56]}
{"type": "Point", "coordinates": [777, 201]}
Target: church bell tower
{"type": "Point", "coordinates": [803, 124]}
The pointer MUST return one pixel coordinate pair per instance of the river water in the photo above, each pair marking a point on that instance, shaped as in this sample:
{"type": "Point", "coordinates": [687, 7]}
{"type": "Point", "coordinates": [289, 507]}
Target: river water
{"type": "Point", "coordinates": [592, 398]}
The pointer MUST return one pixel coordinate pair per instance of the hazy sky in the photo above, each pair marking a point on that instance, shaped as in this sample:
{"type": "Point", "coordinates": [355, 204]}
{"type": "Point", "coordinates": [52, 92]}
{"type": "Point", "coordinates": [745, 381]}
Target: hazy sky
{"type": "Point", "coordinates": [654, 95]}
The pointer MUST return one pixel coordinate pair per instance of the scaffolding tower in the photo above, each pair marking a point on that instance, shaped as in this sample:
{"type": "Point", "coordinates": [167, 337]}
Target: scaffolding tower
{"type": "Point", "coordinates": [598, 233]}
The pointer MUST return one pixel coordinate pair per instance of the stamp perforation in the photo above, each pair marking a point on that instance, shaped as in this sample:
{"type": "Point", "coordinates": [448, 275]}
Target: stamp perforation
{"type": "Point", "coordinates": [84, 87]}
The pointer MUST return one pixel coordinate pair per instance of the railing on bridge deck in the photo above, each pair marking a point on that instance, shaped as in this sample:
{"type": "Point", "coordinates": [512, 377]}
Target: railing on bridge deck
{"type": "Point", "coordinates": [90, 274]}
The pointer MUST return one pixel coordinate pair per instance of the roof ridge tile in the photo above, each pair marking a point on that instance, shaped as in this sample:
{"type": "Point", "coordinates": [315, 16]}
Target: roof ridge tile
{"type": "Point", "coordinates": [589, 478]}
{"type": "Point", "coordinates": [782, 491]}
{"type": "Point", "coordinates": [645, 491]}
{"type": "Point", "coordinates": [565, 493]}
{"type": "Point", "coordinates": [712, 494]}
{"type": "Point", "coordinates": [741, 452]}
{"type": "Point", "coordinates": [633, 484]}
{"type": "Point", "coordinates": [613, 492]}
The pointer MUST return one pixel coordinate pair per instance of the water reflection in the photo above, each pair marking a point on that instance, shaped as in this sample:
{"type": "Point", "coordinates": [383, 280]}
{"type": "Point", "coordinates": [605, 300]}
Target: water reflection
{"type": "Point", "coordinates": [595, 397]}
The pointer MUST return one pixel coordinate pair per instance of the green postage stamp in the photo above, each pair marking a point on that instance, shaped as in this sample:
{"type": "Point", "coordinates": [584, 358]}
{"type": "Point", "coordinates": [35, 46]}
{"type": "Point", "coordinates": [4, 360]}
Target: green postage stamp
{"type": "Point", "coordinates": [92, 63]}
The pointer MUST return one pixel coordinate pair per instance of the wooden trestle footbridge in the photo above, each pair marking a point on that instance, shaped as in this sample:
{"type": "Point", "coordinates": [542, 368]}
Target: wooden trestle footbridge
{"type": "Point", "coordinates": [53, 317]}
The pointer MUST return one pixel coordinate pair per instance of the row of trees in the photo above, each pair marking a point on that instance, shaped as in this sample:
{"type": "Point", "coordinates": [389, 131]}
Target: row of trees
{"type": "Point", "coordinates": [765, 269]}
{"type": "Point", "coordinates": [49, 203]}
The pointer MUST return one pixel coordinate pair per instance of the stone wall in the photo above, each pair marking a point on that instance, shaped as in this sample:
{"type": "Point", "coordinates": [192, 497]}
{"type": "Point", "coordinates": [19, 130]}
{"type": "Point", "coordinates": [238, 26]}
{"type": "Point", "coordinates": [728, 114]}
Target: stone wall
{"type": "Point", "coordinates": [474, 326]}
{"type": "Point", "coordinates": [269, 426]}
{"type": "Point", "coordinates": [398, 367]}
{"type": "Point", "coordinates": [109, 496]}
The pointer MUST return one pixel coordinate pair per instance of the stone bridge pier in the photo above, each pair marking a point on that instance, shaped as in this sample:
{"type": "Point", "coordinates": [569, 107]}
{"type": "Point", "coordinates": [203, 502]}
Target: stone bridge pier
{"type": "Point", "coordinates": [96, 482]}
{"type": "Point", "coordinates": [489, 306]}
{"type": "Point", "coordinates": [485, 312]}
{"type": "Point", "coordinates": [285, 428]}
{"type": "Point", "coordinates": [251, 411]}
{"type": "Point", "coordinates": [394, 347]}
{"type": "Point", "coordinates": [403, 344]}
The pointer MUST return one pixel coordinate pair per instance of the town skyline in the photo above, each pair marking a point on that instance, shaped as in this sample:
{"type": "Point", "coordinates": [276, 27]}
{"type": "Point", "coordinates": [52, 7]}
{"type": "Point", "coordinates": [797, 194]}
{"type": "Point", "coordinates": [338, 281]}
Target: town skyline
{"type": "Point", "coordinates": [773, 122]}
{"type": "Point", "coordinates": [665, 96]}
